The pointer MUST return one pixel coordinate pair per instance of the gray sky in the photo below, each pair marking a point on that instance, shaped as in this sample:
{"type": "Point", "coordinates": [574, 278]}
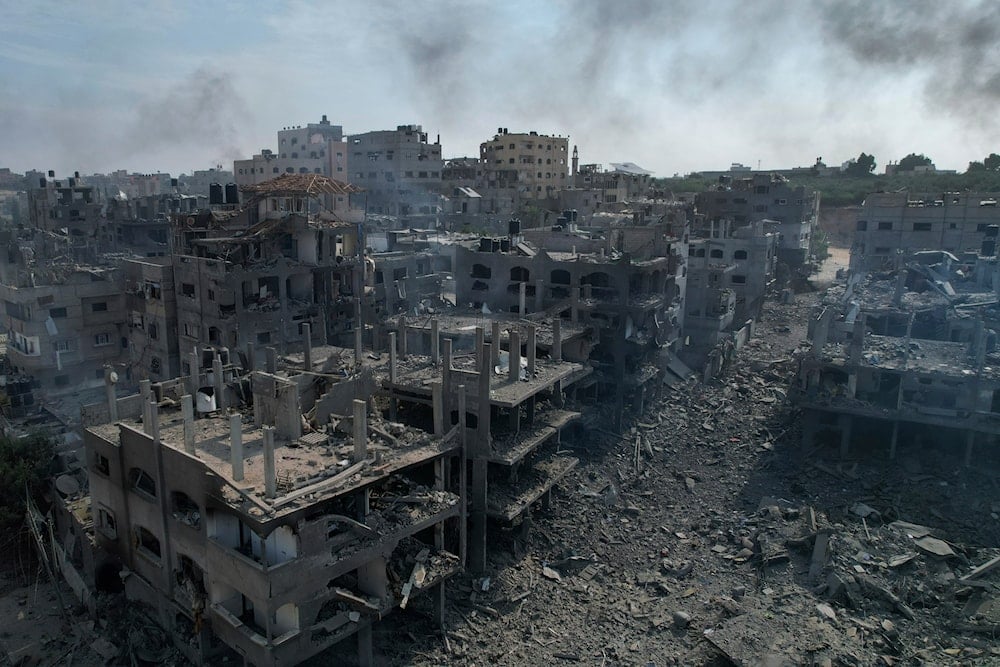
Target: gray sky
{"type": "Point", "coordinates": [672, 85]}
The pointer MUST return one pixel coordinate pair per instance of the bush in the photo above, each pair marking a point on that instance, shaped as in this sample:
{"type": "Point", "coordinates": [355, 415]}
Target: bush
{"type": "Point", "coordinates": [24, 463]}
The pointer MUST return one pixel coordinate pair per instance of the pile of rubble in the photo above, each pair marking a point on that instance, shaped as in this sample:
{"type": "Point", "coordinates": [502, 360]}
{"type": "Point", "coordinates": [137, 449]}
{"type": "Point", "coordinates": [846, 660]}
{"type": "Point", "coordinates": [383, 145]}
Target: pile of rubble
{"type": "Point", "coordinates": [704, 535]}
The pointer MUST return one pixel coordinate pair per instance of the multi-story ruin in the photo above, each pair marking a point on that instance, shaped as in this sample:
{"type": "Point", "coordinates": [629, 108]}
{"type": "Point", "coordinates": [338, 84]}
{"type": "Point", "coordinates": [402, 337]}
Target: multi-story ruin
{"type": "Point", "coordinates": [789, 211]}
{"type": "Point", "coordinates": [292, 256]}
{"type": "Point", "coordinates": [891, 224]}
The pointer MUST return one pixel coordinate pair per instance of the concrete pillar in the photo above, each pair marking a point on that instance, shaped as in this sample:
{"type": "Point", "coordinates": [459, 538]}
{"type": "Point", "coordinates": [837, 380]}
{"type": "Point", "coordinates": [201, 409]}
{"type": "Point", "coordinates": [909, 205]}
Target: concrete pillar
{"type": "Point", "coordinates": [154, 422]}
{"type": "Point", "coordinates": [478, 500]}
{"type": "Point", "coordinates": [514, 357]}
{"type": "Point", "coordinates": [897, 295]}
{"type": "Point", "coordinates": [392, 357]}
{"type": "Point", "coordinates": [588, 291]}
{"type": "Point", "coordinates": [402, 336]}
{"type": "Point", "coordinates": [358, 346]}
{"type": "Point", "coordinates": [822, 331]}
{"type": "Point", "coordinates": [307, 347]}
{"type": "Point", "coordinates": [360, 430]}
{"type": "Point", "coordinates": [194, 377]}
{"type": "Point", "coordinates": [187, 414]}
{"type": "Point", "coordinates": [270, 475]}
{"type": "Point", "coordinates": [463, 524]}
{"type": "Point", "coordinates": [236, 446]}
{"type": "Point", "coordinates": [980, 345]}
{"type": "Point", "coordinates": [557, 339]}
{"type": "Point", "coordinates": [218, 384]}
{"type": "Point", "coordinates": [272, 360]}
{"type": "Point", "coordinates": [437, 403]}
{"type": "Point", "coordinates": [574, 304]}
{"type": "Point", "coordinates": [435, 342]}
{"type": "Point", "coordinates": [112, 398]}
{"type": "Point", "coordinates": [446, 381]}
{"type": "Point", "coordinates": [522, 293]}
{"type": "Point", "coordinates": [146, 390]}
{"type": "Point", "coordinates": [539, 295]}
{"type": "Point", "coordinates": [531, 350]}
{"type": "Point", "coordinates": [251, 357]}
{"type": "Point", "coordinates": [495, 344]}
{"type": "Point", "coordinates": [480, 339]}
{"type": "Point", "coordinates": [852, 383]}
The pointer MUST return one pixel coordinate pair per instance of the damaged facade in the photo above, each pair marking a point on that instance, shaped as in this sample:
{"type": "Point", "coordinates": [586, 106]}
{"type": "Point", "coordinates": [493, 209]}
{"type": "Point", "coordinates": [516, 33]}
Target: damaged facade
{"type": "Point", "coordinates": [787, 210]}
{"type": "Point", "coordinates": [313, 416]}
{"type": "Point", "coordinates": [904, 352]}
{"type": "Point", "coordinates": [293, 255]}
{"type": "Point", "coordinates": [894, 223]}
{"type": "Point", "coordinates": [255, 535]}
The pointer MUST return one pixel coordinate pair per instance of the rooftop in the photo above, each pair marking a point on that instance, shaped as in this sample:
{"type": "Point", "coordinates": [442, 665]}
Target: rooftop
{"type": "Point", "coordinates": [301, 184]}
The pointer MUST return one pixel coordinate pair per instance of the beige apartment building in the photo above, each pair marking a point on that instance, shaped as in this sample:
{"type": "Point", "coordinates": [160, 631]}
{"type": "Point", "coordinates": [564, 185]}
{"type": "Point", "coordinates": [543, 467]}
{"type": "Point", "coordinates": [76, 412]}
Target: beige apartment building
{"type": "Point", "coordinates": [532, 165]}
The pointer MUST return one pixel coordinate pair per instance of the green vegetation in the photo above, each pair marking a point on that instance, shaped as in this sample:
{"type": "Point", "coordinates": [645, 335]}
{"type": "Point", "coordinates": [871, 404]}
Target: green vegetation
{"type": "Point", "coordinates": [912, 161]}
{"type": "Point", "coordinates": [863, 166]}
{"type": "Point", "coordinates": [846, 190]}
{"type": "Point", "coordinates": [24, 462]}
{"type": "Point", "coordinates": [819, 244]}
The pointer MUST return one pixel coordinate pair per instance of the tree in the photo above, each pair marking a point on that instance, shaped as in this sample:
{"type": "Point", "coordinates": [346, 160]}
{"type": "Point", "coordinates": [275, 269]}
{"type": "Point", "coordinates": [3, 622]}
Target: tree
{"type": "Point", "coordinates": [863, 166]}
{"type": "Point", "coordinates": [911, 161]}
{"type": "Point", "coordinates": [24, 463]}
{"type": "Point", "coordinates": [975, 166]}
{"type": "Point", "coordinates": [992, 162]}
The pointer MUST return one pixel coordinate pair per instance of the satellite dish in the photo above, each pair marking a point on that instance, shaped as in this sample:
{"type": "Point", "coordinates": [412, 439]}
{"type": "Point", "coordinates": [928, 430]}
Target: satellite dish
{"type": "Point", "coordinates": [67, 485]}
{"type": "Point", "coordinates": [113, 376]}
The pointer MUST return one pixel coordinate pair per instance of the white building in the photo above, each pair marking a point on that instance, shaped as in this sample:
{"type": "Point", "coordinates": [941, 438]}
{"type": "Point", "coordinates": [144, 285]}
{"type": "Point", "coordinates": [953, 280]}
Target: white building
{"type": "Point", "coordinates": [317, 148]}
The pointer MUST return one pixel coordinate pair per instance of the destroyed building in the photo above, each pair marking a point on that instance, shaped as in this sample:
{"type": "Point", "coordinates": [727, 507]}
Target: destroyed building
{"type": "Point", "coordinates": [71, 214]}
{"type": "Point", "coordinates": [255, 535]}
{"type": "Point", "coordinates": [142, 225]}
{"type": "Point", "coordinates": [151, 317]}
{"type": "Point", "coordinates": [515, 402]}
{"type": "Point", "coordinates": [399, 170]}
{"type": "Point", "coordinates": [64, 325]}
{"type": "Point", "coordinates": [293, 255]}
{"type": "Point", "coordinates": [788, 210]}
{"type": "Point", "coordinates": [906, 356]}
{"type": "Point", "coordinates": [729, 273]}
{"type": "Point", "coordinates": [891, 223]}
{"type": "Point", "coordinates": [633, 294]}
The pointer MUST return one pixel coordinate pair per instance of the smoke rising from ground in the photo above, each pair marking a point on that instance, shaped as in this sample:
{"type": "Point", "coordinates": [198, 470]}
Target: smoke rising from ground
{"type": "Point", "coordinates": [203, 111]}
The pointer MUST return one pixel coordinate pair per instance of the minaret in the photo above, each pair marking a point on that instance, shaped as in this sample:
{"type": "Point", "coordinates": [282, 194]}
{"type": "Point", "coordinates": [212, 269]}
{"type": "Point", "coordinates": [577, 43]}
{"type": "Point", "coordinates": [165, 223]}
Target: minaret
{"type": "Point", "coordinates": [576, 160]}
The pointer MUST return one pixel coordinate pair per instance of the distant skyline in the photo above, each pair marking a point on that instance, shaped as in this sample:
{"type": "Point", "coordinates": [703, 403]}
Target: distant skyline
{"type": "Point", "coordinates": [673, 86]}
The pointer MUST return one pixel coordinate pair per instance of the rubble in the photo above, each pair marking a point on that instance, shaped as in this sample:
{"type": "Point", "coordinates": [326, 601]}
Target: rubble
{"type": "Point", "coordinates": [770, 561]}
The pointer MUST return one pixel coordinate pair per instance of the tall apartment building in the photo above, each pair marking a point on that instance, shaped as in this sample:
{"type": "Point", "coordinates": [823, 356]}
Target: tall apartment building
{"type": "Point", "coordinates": [63, 327]}
{"type": "Point", "coordinates": [399, 169]}
{"type": "Point", "coordinates": [893, 222]}
{"type": "Point", "coordinates": [728, 276]}
{"type": "Point", "coordinates": [522, 167]}
{"type": "Point", "coordinates": [73, 213]}
{"type": "Point", "coordinates": [317, 148]}
{"type": "Point", "coordinates": [791, 210]}
{"type": "Point", "coordinates": [151, 311]}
